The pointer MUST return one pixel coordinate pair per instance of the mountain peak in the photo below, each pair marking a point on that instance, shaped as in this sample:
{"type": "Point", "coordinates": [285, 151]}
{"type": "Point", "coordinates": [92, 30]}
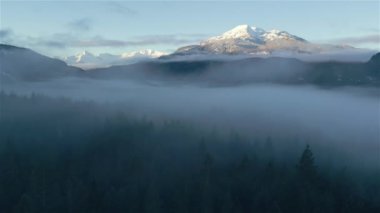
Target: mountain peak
{"type": "Point", "coordinates": [84, 53]}
{"type": "Point", "coordinates": [88, 60]}
{"type": "Point", "coordinates": [84, 56]}
{"type": "Point", "coordinates": [250, 40]}
{"type": "Point", "coordinates": [149, 53]}
{"type": "Point", "coordinates": [258, 35]}
{"type": "Point", "coordinates": [242, 32]}
{"type": "Point", "coordinates": [281, 35]}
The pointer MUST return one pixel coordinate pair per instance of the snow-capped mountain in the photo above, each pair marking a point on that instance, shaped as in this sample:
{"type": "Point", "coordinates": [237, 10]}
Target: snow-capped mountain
{"type": "Point", "coordinates": [87, 60]}
{"type": "Point", "coordinates": [143, 53]}
{"type": "Point", "coordinates": [241, 41]}
{"type": "Point", "coordinates": [244, 39]}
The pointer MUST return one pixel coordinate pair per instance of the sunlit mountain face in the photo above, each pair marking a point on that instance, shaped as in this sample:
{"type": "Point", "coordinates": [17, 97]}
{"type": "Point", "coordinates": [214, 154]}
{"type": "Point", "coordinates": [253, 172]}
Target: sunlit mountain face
{"type": "Point", "coordinates": [87, 60]}
{"type": "Point", "coordinates": [179, 107]}
{"type": "Point", "coordinates": [243, 41]}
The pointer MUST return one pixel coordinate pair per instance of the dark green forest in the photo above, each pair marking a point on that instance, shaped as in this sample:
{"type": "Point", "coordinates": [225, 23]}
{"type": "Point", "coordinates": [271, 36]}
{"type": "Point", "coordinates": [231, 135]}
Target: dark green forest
{"type": "Point", "coordinates": [60, 155]}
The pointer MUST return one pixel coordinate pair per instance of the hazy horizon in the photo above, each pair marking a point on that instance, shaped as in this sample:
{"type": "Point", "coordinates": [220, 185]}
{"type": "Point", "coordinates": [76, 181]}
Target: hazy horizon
{"type": "Point", "coordinates": [133, 26]}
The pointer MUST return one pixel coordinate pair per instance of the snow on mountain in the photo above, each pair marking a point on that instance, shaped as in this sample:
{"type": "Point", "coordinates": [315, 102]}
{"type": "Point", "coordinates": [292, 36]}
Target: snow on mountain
{"type": "Point", "coordinates": [244, 39]}
{"type": "Point", "coordinates": [87, 60]}
{"type": "Point", "coordinates": [85, 56]}
{"type": "Point", "coordinates": [143, 53]}
{"type": "Point", "coordinates": [241, 41]}
{"type": "Point", "coordinates": [240, 32]}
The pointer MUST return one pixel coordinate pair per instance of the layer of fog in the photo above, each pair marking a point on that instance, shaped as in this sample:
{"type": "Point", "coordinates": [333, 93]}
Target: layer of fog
{"type": "Point", "coordinates": [353, 55]}
{"type": "Point", "coordinates": [344, 119]}
{"type": "Point", "coordinates": [345, 55]}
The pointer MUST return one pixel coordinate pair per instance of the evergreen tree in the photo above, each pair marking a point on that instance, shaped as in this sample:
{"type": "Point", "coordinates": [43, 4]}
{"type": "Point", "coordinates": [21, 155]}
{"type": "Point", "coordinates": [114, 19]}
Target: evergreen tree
{"type": "Point", "coordinates": [206, 184]}
{"type": "Point", "coordinates": [306, 167]}
{"type": "Point", "coordinates": [308, 194]}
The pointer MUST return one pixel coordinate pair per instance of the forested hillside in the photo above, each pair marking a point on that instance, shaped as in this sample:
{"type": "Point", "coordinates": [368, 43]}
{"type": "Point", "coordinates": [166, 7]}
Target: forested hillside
{"type": "Point", "coordinates": [63, 156]}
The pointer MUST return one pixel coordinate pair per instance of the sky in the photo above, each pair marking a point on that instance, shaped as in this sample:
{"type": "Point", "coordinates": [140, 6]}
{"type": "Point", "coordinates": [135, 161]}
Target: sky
{"type": "Point", "coordinates": [63, 28]}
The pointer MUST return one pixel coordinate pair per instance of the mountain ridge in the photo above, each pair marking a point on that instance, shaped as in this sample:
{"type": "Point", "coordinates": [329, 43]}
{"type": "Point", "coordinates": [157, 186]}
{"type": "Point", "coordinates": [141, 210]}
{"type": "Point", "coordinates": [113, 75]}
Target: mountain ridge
{"type": "Point", "coordinates": [88, 60]}
{"type": "Point", "coordinates": [22, 64]}
{"type": "Point", "coordinates": [248, 40]}
{"type": "Point", "coordinates": [250, 70]}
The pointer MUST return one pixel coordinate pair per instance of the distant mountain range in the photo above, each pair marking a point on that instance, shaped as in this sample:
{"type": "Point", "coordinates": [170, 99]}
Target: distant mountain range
{"type": "Point", "coordinates": [245, 40]}
{"type": "Point", "coordinates": [87, 60]}
{"type": "Point", "coordinates": [21, 64]}
{"type": "Point", "coordinates": [242, 41]}
{"type": "Point", "coordinates": [250, 70]}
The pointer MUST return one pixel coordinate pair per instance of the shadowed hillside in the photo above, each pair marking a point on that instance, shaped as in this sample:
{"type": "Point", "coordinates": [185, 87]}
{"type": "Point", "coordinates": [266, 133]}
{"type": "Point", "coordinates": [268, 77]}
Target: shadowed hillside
{"type": "Point", "coordinates": [64, 156]}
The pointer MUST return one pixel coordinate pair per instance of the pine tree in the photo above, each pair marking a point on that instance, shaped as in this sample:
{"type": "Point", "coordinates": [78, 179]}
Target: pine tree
{"type": "Point", "coordinates": [206, 184]}
{"type": "Point", "coordinates": [306, 167]}
{"type": "Point", "coordinates": [307, 192]}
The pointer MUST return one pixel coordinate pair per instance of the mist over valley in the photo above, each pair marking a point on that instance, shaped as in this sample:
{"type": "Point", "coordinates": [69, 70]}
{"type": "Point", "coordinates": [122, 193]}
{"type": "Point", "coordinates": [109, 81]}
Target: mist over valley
{"type": "Point", "coordinates": [250, 120]}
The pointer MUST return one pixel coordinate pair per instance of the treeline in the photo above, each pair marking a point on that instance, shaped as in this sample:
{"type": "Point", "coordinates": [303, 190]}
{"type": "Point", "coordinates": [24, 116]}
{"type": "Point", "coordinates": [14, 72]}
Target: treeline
{"type": "Point", "coordinates": [57, 155]}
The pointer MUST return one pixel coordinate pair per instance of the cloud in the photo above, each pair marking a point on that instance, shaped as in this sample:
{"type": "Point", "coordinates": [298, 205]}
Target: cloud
{"type": "Point", "coordinates": [53, 44]}
{"type": "Point", "coordinates": [168, 39]}
{"type": "Point", "coordinates": [84, 24]}
{"type": "Point", "coordinates": [67, 40]}
{"type": "Point", "coordinates": [367, 39]}
{"type": "Point", "coordinates": [102, 42]}
{"type": "Point", "coordinates": [5, 34]}
{"type": "Point", "coordinates": [99, 41]}
{"type": "Point", "coordinates": [56, 41]}
{"type": "Point", "coordinates": [120, 8]}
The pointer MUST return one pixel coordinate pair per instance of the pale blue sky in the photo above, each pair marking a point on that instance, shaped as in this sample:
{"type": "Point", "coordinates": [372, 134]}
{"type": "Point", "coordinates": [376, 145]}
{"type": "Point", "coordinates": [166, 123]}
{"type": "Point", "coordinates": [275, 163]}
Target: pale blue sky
{"type": "Point", "coordinates": [59, 28]}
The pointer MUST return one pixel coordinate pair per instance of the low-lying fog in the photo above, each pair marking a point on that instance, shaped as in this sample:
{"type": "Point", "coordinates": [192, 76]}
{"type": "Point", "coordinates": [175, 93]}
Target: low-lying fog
{"type": "Point", "coordinates": [346, 117]}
